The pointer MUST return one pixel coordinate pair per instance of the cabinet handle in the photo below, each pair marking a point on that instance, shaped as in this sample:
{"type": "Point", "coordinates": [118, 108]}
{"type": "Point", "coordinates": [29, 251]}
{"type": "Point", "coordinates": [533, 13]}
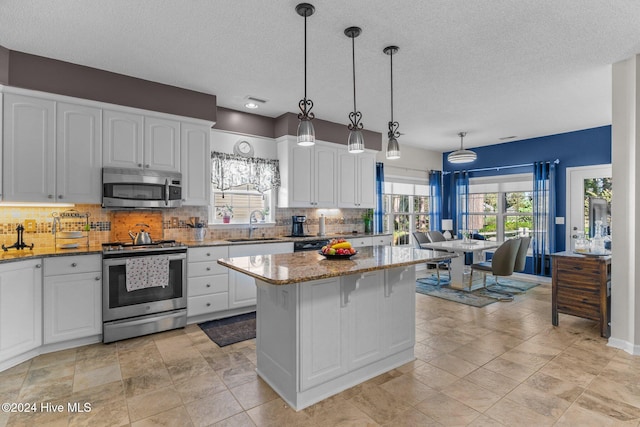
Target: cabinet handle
{"type": "Point", "coordinates": [37, 265]}
{"type": "Point", "coordinates": [139, 165]}
{"type": "Point", "coordinates": [50, 196]}
{"type": "Point", "coordinates": [208, 304]}
{"type": "Point", "coordinates": [59, 196]}
{"type": "Point", "coordinates": [208, 268]}
{"type": "Point", "coordinates": [73, 264]}
{"type": "Point", "coordinates": [208, 254]}
{"type": "Point", "coordinates": [146, 166]}
{"type": "Point", "coordinates": [208, 285]}
{"type": "Point", "coordinates": [97, 278]}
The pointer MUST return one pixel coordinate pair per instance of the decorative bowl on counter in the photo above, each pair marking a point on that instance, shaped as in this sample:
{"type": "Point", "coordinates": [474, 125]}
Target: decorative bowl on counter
{"type": "Point", "coordinates": [336, 256]}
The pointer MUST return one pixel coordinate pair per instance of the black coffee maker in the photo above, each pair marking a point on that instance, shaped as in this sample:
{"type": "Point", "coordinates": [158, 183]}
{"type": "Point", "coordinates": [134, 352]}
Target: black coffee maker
{"type": "Point", "coordinates": [297, 225]}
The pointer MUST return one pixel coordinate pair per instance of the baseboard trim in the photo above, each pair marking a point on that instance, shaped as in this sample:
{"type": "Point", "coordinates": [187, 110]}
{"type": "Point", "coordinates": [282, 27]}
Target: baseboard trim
{"type": "Point", "coordinates": [624, 345]}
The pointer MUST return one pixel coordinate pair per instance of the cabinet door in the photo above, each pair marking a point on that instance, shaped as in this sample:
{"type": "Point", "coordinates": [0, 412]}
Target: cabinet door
{"type": "Point", "coordinates": [366, 181]}
{"type": "Point", "coordinates": [365, 325]}
{"type": "Point", "coordinates": [122, 139]}
{"type": "Point", "coordinates": [161, 144]}
{"type": "Point", "coordinates": [323, 341]}
{"type": "Point", "coordinates": [79, 154]}
{"type": "Point", "coordinates": [72, 306]}
{"type": "Point", "coordinates": [399, 293]}
{"type": "Point", "coordinates": [20, 307]}
{"type": "Point", "coordinates": [29, 149]}
{"type": "Point", "coordinates": [325, 166]}
{"type": "Point", "coordinates": [195, 158]}
{"type": "Point", "coordinates": [347, 179]}
{"type": "Point", "coordinates": [301, 191]}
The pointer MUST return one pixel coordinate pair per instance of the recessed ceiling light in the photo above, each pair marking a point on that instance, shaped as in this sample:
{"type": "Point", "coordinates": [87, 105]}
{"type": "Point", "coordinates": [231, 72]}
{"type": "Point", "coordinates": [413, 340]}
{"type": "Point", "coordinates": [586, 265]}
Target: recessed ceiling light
{"type": "Point", "coordinates": [252, 102]}
{"type": "Point", "coordinates": [251, 105]}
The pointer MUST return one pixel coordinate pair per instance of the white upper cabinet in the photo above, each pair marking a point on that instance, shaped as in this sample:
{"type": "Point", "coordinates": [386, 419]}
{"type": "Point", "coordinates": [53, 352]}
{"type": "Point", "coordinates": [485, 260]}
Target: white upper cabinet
{"type": "Point", "coordinates": [195, 158]}
{"type": "Point", "coordinates": [356, 186]}
{"type": "Point", "coordinates": [78, 153]}
{"type": "Point", "coordinates": [308, 175]}
{"type": "Point", "coordinates": [45, 165]}
{"type": "Point", "coordinates": [161, 144]}
{"type": "Point", "coordinates": [135, 141]}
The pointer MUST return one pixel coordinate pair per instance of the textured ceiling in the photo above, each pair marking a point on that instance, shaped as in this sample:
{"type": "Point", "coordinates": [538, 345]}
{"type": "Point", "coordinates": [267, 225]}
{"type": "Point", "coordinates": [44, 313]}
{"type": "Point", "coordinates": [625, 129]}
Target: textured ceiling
{"type": "Point", "coordinates": [492, 68]}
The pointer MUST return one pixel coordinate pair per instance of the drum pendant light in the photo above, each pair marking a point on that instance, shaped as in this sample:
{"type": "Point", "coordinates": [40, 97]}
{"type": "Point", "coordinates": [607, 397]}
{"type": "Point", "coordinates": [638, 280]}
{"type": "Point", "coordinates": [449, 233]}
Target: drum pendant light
{"type": "Point", "coordinates": [393, 148]}
{"type": "Point", "coordinates": [462, 155]}
{"type": "Point", "coordinates": [306, 132]}
{"type": "Point", "coordinates": [355, 143]}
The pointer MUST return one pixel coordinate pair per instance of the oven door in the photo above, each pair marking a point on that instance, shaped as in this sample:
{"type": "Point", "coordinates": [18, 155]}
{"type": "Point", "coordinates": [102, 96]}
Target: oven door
{"type": "Point", "coordinates": [118, 303]}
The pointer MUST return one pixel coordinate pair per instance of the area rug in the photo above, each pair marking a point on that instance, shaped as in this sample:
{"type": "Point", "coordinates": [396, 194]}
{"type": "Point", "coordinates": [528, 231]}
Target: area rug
{"type": "Point", "coordinates": [477, 298]}
{"type": "Point", "coordinates": [231, 330]}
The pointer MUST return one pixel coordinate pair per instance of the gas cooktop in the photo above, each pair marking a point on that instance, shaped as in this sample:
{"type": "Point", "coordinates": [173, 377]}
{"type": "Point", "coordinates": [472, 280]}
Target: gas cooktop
{"type": "Point", "coordinates": [160, 245]}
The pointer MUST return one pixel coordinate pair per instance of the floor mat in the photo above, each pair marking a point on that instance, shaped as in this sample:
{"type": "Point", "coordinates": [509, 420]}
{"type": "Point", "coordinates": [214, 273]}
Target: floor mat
{"type": "Point", "coordinates": [231, 330]}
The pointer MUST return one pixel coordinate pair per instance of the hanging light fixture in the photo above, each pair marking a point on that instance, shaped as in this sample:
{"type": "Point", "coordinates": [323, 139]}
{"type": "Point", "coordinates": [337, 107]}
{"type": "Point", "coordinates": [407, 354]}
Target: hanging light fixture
{"type": "Point", "coordinates": [462, 155]}
{"type": "Point", "coordinates": [306, 132]}
{"type": "Point", "coordinates": [393, 148]}
{"type": "Point", "coordinates": [355, 143]}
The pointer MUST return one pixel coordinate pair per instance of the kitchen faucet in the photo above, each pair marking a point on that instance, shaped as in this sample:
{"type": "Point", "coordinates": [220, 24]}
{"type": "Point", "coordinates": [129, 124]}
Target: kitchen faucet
{"type": "Point", "coordinates": [253, 220]}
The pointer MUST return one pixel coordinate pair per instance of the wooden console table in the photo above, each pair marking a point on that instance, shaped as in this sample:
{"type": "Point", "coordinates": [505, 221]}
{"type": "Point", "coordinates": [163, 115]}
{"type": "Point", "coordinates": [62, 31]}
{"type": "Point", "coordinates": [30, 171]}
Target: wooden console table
{"type": "Point", "coordinates": [581, 287]}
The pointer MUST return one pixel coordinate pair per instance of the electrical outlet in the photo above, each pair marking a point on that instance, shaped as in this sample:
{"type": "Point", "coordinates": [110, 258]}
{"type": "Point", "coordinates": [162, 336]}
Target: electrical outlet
{"type": "Point", "coordinates": [174, 222]}
{"type": "Point", "coordinates": [30, 225]}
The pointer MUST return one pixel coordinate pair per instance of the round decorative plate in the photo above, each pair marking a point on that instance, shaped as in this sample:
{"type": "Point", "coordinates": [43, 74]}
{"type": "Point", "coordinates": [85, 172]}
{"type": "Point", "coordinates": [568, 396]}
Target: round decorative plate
{"type": "Point", "coordinates": [336, 256]}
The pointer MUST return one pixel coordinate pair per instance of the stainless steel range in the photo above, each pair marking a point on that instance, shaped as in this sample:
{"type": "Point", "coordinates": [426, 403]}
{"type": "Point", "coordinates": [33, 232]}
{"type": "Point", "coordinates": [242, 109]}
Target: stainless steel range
{"type": "Point", "coordinates": [144, 288]}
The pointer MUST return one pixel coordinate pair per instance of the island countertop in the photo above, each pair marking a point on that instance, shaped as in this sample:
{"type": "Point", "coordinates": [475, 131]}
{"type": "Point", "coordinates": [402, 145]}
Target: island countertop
{"type": "Point", "coordinates": [286, 269]}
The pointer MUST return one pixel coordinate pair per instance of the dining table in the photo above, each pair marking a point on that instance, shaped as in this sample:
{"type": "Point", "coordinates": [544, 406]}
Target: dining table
{"type": "Point", "coordinates": [458, 279]}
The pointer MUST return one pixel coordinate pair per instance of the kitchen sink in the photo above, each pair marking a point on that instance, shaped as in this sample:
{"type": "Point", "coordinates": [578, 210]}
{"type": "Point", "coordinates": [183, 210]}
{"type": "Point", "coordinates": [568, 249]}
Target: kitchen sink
{"type": "Point", "coordinates": [256, 239]}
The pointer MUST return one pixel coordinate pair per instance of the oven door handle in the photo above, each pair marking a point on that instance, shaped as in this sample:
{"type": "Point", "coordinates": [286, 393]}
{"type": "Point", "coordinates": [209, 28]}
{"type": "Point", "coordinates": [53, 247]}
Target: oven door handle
{"type": "Point", "coordinates": [166, 192]}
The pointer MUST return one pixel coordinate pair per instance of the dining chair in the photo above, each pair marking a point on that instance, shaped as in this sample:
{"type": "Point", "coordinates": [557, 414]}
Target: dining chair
{"type": "Point", "coordinates": [435, 236]}
{"type": "Point", "coordinates": [521, 258]}
{"type": "Point", "coordinates": [422, 237]}
{"type": "Point", "coordinates": [502, 263]}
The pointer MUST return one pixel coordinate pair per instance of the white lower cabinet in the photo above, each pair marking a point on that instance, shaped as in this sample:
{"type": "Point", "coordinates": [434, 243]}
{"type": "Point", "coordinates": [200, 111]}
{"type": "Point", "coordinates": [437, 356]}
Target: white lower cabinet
{"type": "Point", "coordinates": [358, 242]}
{"type": "Point", "coordinates": [242, 288]}
{"type": "Point", "coordinates": [72, 297]}
{"type": "Point", "coordinates": [20, 307]}
{"type": "Point", "coordinates": [318, 338]}
{"type": "Point", "coordinates": [383, 240]}
{"type": "Point", "coordinates": [207, 281]}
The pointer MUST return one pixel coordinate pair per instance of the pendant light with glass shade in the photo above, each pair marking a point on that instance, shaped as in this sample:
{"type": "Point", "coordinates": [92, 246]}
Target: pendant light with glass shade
{"type": "Point", "coordinates": [393, 148]}
{"type": "Point", "coordinates": [462, 155]}
{"type": "Point", "coordinates": [306, 132]}
{"type": "Point", "coordinates": [355, 143]}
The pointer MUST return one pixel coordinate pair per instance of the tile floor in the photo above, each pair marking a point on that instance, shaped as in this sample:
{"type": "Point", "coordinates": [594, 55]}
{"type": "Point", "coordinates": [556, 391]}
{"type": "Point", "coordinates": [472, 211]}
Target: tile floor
{"type": "Point", "coordinates": [503, 364]}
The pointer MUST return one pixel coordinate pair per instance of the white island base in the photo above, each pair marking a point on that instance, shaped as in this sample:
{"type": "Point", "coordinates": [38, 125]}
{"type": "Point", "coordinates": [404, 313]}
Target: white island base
{"type": "Point", "coordinates": [318, 338]}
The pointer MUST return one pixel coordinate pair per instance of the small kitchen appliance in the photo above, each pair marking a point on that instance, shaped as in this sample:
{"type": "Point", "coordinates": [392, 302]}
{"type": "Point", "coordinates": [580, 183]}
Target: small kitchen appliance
{"type": "Point", "coordinates": [297, 225]}
{"type": "Point", "coordinates": [141, 188]}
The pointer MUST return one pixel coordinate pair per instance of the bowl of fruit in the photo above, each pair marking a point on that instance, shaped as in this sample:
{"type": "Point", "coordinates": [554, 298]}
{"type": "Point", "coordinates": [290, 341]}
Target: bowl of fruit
{"type": "Point", "coordinates": [338, 249]}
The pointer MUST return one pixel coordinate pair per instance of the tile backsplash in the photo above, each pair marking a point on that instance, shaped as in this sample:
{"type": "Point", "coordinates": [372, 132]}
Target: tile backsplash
{"type": "Point", "coordinates": [113, 225]}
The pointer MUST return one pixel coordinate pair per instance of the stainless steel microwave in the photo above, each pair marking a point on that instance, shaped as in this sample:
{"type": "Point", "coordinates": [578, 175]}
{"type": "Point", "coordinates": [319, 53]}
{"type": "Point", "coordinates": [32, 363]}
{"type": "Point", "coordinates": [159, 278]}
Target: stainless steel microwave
{"type": "Point", "coordinates": [141, 188]}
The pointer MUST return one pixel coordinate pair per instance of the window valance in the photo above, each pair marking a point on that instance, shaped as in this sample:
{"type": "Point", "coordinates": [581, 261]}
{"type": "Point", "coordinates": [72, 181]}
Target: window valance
{"type": "Point", "coordinates": [230, 170]}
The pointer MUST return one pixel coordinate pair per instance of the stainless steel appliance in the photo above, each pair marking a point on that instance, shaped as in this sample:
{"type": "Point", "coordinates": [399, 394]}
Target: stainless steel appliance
{"type": "Point", "coordinates": [309, 245]}
{"type": "Point", "coordinates": [130, 313]}
{"type": "Point", "coordinates": [297, 225]}
{"type": "Point", "coordinates": [141, 188]}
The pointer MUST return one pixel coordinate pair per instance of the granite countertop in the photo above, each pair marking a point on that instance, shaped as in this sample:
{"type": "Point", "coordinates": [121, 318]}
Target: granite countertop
{"type": "Point", "coordinates": [286, 269]}
{"type": "Point", "coordinates": [51, 251]}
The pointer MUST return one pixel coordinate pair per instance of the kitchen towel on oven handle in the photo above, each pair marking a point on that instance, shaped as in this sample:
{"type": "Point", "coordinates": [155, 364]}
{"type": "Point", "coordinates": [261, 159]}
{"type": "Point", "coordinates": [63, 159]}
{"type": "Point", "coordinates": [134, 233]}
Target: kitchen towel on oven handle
{"type": "Point", "coordinates": [147, 272]}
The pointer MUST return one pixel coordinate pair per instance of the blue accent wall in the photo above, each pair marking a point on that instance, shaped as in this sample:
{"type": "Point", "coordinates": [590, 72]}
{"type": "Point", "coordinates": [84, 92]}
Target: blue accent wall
{"type": "Point", "coordinates": [579, 148]}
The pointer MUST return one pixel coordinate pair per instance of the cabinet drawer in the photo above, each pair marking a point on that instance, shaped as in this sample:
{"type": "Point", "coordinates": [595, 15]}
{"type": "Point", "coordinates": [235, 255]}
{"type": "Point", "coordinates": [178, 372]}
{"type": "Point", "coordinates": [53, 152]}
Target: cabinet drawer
{"type": "Point", "coordinates": [358, 242]}
{"type": "Point", "coordinates": [72, 264]}
{"type": "Point", "coordinates": [207, 303]}
{"type": "Point", "coordinates": [208, 253]}
{"type": "Point", "coordinates": [576, 296]}
{"type": "Point", "coordinates": [207, 285]}
{"type": "Point", "coordinates": [581, 266]}
{"type": "Point", "coordinates": [198, 269]}
{"type": "Point", "coordinates": [382, 240]}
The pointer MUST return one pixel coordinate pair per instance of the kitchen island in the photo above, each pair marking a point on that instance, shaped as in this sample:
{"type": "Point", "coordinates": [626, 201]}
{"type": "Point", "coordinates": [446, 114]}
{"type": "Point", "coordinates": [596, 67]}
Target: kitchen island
{"type": "Point", "coordinates": [324, 325]}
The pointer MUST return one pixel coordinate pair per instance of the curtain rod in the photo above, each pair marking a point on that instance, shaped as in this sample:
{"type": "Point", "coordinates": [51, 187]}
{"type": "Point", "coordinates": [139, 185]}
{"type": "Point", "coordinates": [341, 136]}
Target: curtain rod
{"type": "Point", "coordinates": [497, 168]}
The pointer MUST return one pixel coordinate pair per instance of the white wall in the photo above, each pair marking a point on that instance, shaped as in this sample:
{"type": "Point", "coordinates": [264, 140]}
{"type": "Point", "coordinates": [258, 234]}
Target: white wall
{"type": "Point", "coordinates": [625, 208]}
{"type": "Point", "coordinates": [413, 162]}
{"type": "Point", "coordinates": [224, 141]}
